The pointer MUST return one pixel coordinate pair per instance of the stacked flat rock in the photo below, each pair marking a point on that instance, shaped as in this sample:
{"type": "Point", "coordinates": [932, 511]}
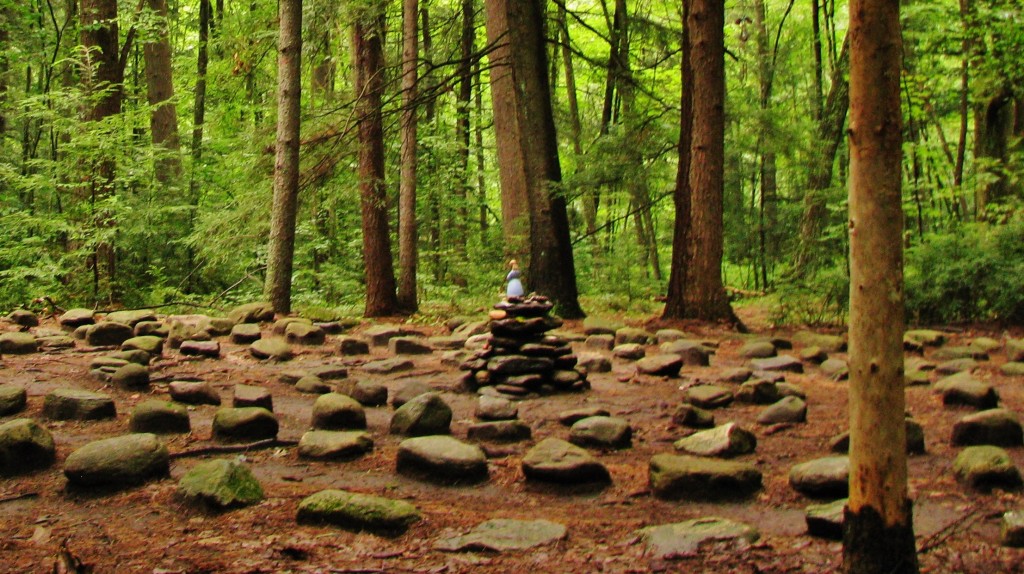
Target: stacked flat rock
{"type": "Point", "coordinates": [522, 358]}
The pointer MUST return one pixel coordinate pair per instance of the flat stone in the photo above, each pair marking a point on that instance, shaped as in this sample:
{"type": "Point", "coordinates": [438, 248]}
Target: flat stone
{"type": "Point", "coordinates": [108, 333]}
{"type": "Point", "coordinates": [75, 318]}
{"type": "Point", "coordinates": [695, 478]}
{"type": "Point", "coordinates": [512, 365]}
{"type": "Point", "coordinates": [786, 410]}
{"type": "Point", "coordinates": [131, 376]}
{"type": "Point", "coordinates": [313, 385]}
{"type": "Point", "coordinates": [388, 366]}
{"type": "Point", "coordinates": [252, 396]}
{"type": "Point", "coordinates": [1015, 350]}
{"type": "Point", "coordinates": [571, 417]}
{"type": "Point", "coordinates": [151, 328]}
{"type": "Point", "coordinates": [257, 312]}
{"type": "Point", "coordinates": [136, 356]}
{"type": "Point", "coordinates": [280, 327]}
{"type": "Point", "coordinates": [601, 432]}
{"type": "Point", "coordinates": [708, 396]}
{"type": "Point", "coordinates": [915, 377]}
{"type": "Point", "coordinates": [159, 417]}
{"type": "Point", "coordinates": [783, 363]}
{"type": "Point", "coordinates": [813, 354]}
{"type": "Point", "coordinates": [25, 446]}
{"type": "Point", "coordinates": [441, 459]}
{"type": "Point", "coordinates": [304, 334]}
{"type": "Point", "coordinates": [758, 350]}
{"type": "Point", "coordinates": [379, 335]}
{"type": "Point", "coordinates": [629, 351]}
{"type": "Point", "coordinates": [600, 326]}
{"type": "Point", "coordinates": [694, 353]}
{"type": "Point", "coordinates": [335, 411]}
{"type": "Point", "coordinates": [828, 343]}
{"type": "Point", "coordinates": [194, 393]}
{"type": "Point", "coordinates": [956, 366]}
{"type": "Point", "coordinates": [54, 342]}
{"type": "Point", "coordinates": [555, 460]}
{"type": "Point", "coordinates": [426, 414]}
{"type": "Point", "coordinates": [221, 484]}
{"type": "Point", "coordinates": [593, 363]}
{"type": "Point", "coordinates": [499, 431]}
{"type": "Point", "coordinates": [504, 535]}
{"type": "Point", "coordinates": [245, 333]}
{"type": "Point", "coordinates": [662, 365]}
{"type": "Point", "coordinates": [118, 462]}
{"type": "Point", "coordinates": [1011, 529]}
{"type": "Point", "coordinates": [273, 348]}
{"type": "Point", "coordinates": [693, 416]}
{"type": "Point", "coordinates": [409, 346]}
{"type": "Point", "coordinates": [836, 369]}
{"type": "Point", "coordinates": [986, 467]}
{"type": "Point", "coordinates": [445, 343]}
{"type": "Point", "coordinates": [334, 445]}
{"type": "Point", "coordinates": [208, 349]}
{"type": "Point", "coordinates": [826, 520]}
{"type": "Point", "coordinates": [244, 424]}
{"type": "Point", "coordinates": [1013, 369]}
{"type": "Point", "coordinates": [369, 393]}
{"type": "Point", "coordinates": [12, 399]}
{"type": "Point", "coordinates": [735, 375]}
{"type": "Point", "coordinates": [669, 335]}
{"type": "Point", "coordinates": [74, 404]}
{"type": "Point", "coordinates": [409, 391]}
{"type": "Point", "coordinates": [353, 346]}
{"type": "Point", "coordinates": [495, 409]}
{"type": "Point", "coordinates": [997, 427]}
{"type": "Point", "coordinates": [985, 344]}
{"type": "Point", "coordinates": [961, 352]}
{"type": "Point", "coordinates": [131, 317]}
{"type": "Point", "coordinates": [357, 512]}
{"type": "Point", "coordinates": [626, 335]}
{"type": "Point", "coordinates": [18, 343]}
{"type": "Point", "coordinates": [600, 342]}
{"type": "Point", "coordinates": [971, 393]}
{"type": "Point", "coordinates": [914, 432]}
{"type": "Point", "coordinates": [791, 390]}
{"type": "Point", "coordinates": [149, 343]}
{"type": "Point", "coordinates": [757, 392]}
{"type": "Point", "coordinates": [822, 478]}
{"type": "Point", "coordinates": [944, 383]}
{"type": "Point", "coordinates": [926, 337]}
{"type": "Point", "coordinates": [684, 539]}
{"type": "Point", "coordinates": [725, 441]}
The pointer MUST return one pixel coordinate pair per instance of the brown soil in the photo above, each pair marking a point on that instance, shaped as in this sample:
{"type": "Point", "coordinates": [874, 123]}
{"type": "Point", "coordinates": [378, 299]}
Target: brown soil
{"type": "Point", "coordinates": [149, 529]}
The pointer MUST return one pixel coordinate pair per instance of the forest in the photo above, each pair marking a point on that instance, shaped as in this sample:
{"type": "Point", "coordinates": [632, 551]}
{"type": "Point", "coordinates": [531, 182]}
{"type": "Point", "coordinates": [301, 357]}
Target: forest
{"type": "Point", "coordinates": [138, 140]}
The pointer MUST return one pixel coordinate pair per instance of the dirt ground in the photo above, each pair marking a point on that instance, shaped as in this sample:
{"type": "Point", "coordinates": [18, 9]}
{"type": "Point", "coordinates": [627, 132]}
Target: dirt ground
{"type": "Point", "coordinates": [149, 529]}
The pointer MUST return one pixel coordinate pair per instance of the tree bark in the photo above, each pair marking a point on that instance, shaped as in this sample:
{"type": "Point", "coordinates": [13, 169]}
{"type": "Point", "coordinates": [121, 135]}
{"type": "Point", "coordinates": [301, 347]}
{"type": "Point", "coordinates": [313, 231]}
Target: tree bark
{"type": "Point", "coordinates": [767, 164]}
{"type": "Point", "coordinates": [198, 121]}
{"type": "Point", "coordinates": [675, 302]}
{"type": "Point", "coordinates": [407, 255]}
{"type": "Point", "coordinates": [528, 149]}
{"type": "Point", "coordinates": [368, 53]}
{"type": "Point", "coordinates": [281, 248]}
{"type": "Point", "coordinates": [878, 530]}
{"type": "Point", "coordinates": [163, 119]}
{"type": "Point", "coordinates": [465, 94]}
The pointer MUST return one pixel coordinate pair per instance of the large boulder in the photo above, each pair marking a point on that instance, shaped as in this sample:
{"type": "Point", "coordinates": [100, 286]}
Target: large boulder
{"type": "Point", "coordinates": [221, 484]}
{"type": "Point", "coordinates": [118, 462]}
{"type": "Point", "coordinates": [441, 459]}
{"type": "Point", "coordinates": [677, 477]}
{"type": "Point", "coordinates": [357, 512]}
{"type": "Point", "coordinates": [25, 446]}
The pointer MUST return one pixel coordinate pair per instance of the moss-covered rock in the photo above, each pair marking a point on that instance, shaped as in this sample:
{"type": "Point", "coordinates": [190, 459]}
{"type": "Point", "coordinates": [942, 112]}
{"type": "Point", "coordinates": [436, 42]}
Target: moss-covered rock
{"type": "Point", "coordinates": [118, 462]}
{"type": "Point", "coordinates": [24, 446]}
{"type": "Point", "coordinates": [244, 424]}
{"type": "Point", "coordinates": [159, 417]}
{"type": "Point", "coordinates": [74, 404]}
{"type": "Point", "coordinates": [355, 511]}
{"type": "Point", "coordinates": [12, 399]}
{"type": "Point", "coordinates": [221, 483]}
{"type": "Point", "coordinates": [426, 414]}
{"type": "Point", "coordinates": [18, 343]}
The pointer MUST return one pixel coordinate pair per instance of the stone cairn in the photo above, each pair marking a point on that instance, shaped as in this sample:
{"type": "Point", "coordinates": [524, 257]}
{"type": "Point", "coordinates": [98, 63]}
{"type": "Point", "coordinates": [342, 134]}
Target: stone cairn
{"type": "Point", "coordinates": [521, 357]}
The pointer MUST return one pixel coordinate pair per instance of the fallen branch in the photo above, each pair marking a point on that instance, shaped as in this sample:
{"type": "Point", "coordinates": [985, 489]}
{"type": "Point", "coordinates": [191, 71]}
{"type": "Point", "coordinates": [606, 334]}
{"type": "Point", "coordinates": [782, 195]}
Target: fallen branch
{"type": "Point", "coordinates": [21, 496]}
{"type": "Point", "coordinates": [222, 449]}
{"type": "Point", "coordinates": [937, 539]}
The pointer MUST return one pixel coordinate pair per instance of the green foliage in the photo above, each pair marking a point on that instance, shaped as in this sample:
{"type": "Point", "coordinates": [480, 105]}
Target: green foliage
{"type": "Point", "coordinates": [821, 299]}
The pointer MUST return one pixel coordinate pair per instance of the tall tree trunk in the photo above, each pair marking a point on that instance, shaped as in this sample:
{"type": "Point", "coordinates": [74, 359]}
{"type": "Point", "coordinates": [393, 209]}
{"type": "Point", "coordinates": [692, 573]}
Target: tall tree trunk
{"type": "Point", "coordinates": [281, 247]}
{"type": "Point", "coordinates": [878, 531]}
{"type": "Point", "coordinates": [769, 185]}
{"type": "Point", "coordinates": [528, 149]}
{"type": "Point", "coordinates": [163, 119]}
{"type": "Point", "coordinates": [816, 90]}
{"type": "Point", "coordinates": [368, 53]}
{"type": "Point", "coordinates": [481, 181]}
{"type": "Point", "coordinates": [407, 185]}
{"type": "Point", "coordinates": [5, 39]}
{"type": "Point", "coordinates": [465, 73]}
{"type": "Point", "coordinates": [198, 122]}
{"type": "Point", "coordinates": [675, 302]}
{"type": "Point", "coordinates": [965, 107]}
{"type": "Point", "coordinates": [993, 126]}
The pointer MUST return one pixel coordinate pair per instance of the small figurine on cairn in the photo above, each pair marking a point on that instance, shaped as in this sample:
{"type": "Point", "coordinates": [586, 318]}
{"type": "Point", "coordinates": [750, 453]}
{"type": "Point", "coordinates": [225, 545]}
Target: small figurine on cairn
{"type": "Point", "coordinates": [522, 358]}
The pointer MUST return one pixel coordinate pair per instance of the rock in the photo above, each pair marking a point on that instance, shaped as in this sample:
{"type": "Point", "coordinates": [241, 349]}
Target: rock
{"type": "Point", "coordinates": [822, 478]}
{"type": "Point", "coordinates": [221, 484]}
{"type": "Point", "coordinates": [925, 337]}
{"type": "Point", "coordinates": [725, 441]}
{"type": "Point", "coordinates": [836, 369]}
{"type": "Point", "coordinates": [151, 328]}
{"type": "Point", "coordinates": [944, 383]}
{"type": "Point", "coordinates": [18, 343]}
{"type": "Point", "coordinates": [353, 346]}
{"type": "Point", "coordinates": [626, 335]}
{"type": "Point", "coordinates": [244, 424]}
{"type": "Point", "coordinates": [131, 376]}
{"type": "Point", "coordinates": [985, 344]}
{"type": "Point", "coordinates": [1014, 369]}
{"type": "Point", "coordinates": [73, 404]}
{"type": "Point", "coordinates": [445, 343]}
{"type": "Point", "coordinates": [1011, 529]}
{"type": "Point", "coordinates": [426, 414]}
{"type": "Point", "coordinates": [786, 410]}
{"type": "Point", "coordinates": [953, 353]}
{"type": "Point", "coordinates": [997, 427]}
{"type": "Point", "coordinates": [273, 348]}
{"type": "Point", "coordinates": [312, 384]}
{"type": "Point", "coordinates": [757, 392]}
{"type": "Point", "coordinates": [694, 353]}
{"type": "Point", "coordinates": [304, 334]}
{"type": "Point", "coordinates": [131, 317]}
{"type": "Point", "coordinates": [25, 446]}
{"type": "Point", "coordinates": [455, 358]}
{"type": "Point", "coordinates": [663, 365]}
{"type": "Point", "coordinates": [915, 439]}
{"type": "Point", "coordinates": [470, 328]}
{"type": "Point", "coordinates": [593, 363]}
{"type": "Point", "coordinates": [770, 376]}
{"type": "Point", "coordinates": [258, 312]}
{"type": "Point", "coordinates": [916, 377]}
{"type": "Point", "coordinates": [1015, 350]}
{"type": "Point", "coordinates": [986, 467]}
{"type": "Point", "coordinates": [571, 417]}
{"type": "Point", "coordinates": [502, 535]}
{"type": "Point", "coordinates": [220, 326]}
{"type": "Point", "coordinates": [194, 393]}
{"type": "Point", "coordinates": [669, 335]}
{"type": "Point", "coordinates": [695, 478]}
{"type": "Point", "coordinates": [186, 328]}
{"type": "Point", "coordinates": [495, 409]}
{"type": "Point", "coordinates": [790, 390]}
{"type": "Point", "coordinates": [971, 393]}
{"type": "Point", "coordinates": [159, 417]}
{"type": "Point", "coordinates": [735, 375]}
{"type": "Point", "coordinates": [53, 342]}
{"type": "Point", "coordinates": [601, 432]}
{"type": "Point", "coordinates": [499, 431]}
{"type": "Point", "coordinates": [134, 356]}
{"type": "Point", "coordinates": [708, 396]}
{"type": "Point", "coordinates": [408, 391]}
{"type": "Point", "coordinates": [826, 520]}
{"type": "Point", "coordinates": [629, 351]}
{"type": "Point", "coordinates": [388, 366]}
{"type": "Point", "coordinates": [335, 411]}
{"type": "Point", "coordinates": [813, 354]}
{"type": "Point", "coordinates": [149, 343]}
{"type": "Point", "coordinates": [782, 363]}
{"type": "Point", "coordinates": [409, 346]}
{"type": "Point", "coordinates": [357, 512]}
{"type": "Point", "coordinates": [118, 462]}
{"type": "Point", "coordinates": [75, 318]}
{"type": "Point", "coordinates": [478, 342]}
{"type": "Point", "coordinates": [245, 333]}
{"type": "Point", "coordinates": [80, 332]}
{"type": "Point", "coordinates": [280, 327]}
{"type": "Point", "coordinates": [757, 350]}
{"type": "Point", "coordinates": [369, 394]}
{"type": "Point", "coordinates": [600, 342]}
{"type": "Point", "coordinates": [379, 335]}
{"type": "Point", "coordinates": [956, 366]}
{"type": "Point", "coordinates": [208, 349]}
{"type": "Point", "coordinates": [252, 396]}
{"type": "Point", "coordinates": [555, 460]}
{"type": "Point", "coordinates": [334, 445]}
{"type": "Point", "coordinates": [108, 333]}
{"type": "Point", "coordinates": [683, 539]}
{"type": "Point", "coordinates": [600, 326]}
{"type": "Point", "coordinates": [692, 416]}
{"type": "Point", "coordinates": [441, 459]}
{"type": "Point", "coordinates": [12, 399]}
{"type": "Point", "coordinates": [827, 343]}
{"type": "Point", "coordinates": [512, 365]}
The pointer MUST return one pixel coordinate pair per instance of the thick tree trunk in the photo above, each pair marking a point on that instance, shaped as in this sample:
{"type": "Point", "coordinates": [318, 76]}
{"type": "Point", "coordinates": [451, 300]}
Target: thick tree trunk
{"type": "Point", "coordinates": [198, 121]}
{"type": "Point", "coordinates": [816, 90]}
{"type": "Point", "coordinates": [993, 126]}
{"type": "Point", "coordinates": [675, 302]}
{"type": "Point", "coordinates": [767, 167]}
{"type": "Point", "coordinates": [163, 119]}
{"type": "Point", "coordinates": [878, 530]}
{"type": "Point", "coordinates": [407, 255]}
{"type": "Point", "coordinates": [368, 54]}
{"type": "Point", "coordinates": [281, 248]}
{"type": "Point", "coordinates": [528, 148]}
{"type": "Point", "coordinates": [465, 94]}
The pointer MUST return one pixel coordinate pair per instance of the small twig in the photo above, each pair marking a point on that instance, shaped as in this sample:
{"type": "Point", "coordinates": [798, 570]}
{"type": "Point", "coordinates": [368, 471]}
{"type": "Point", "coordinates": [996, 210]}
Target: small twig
{"type": "Point", "coordinates": [222, 449]}
{"type": "Point", "coordinates": [936, 540]}
{"type": "Point", "coordinates": [21, 496]}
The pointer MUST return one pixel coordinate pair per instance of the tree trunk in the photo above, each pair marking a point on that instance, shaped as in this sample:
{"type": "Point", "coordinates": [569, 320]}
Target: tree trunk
{"type": "Point", "coordinates": [878, 530]}
{"type": "Point", "coordinates": [816, 90]}
{"type": "Point", "coordinates": [5, 39]}
{"type": "Point", "coordinates": [767, 169]}
{"type": "Point", "coordinates": [368, 53]}
{"type": "Point", "coordinates": [528, 150]}
{"type": "Point", "coordinates": [481, 181]}
{"type": "Point", "coordinates": [281, 248]}
{"type": "Point", "coordinates": [993, 126]}
{"type": "Point", "coordinates": [163, 120]}
{"type": "Point", "coordinates": [675, 302]}
{"type": "Point", "coordinates": [198, 121]}
{"type": "Point", "coordinates": [465, 94]}
{"type": "Point", "coordinates": [407, 185]}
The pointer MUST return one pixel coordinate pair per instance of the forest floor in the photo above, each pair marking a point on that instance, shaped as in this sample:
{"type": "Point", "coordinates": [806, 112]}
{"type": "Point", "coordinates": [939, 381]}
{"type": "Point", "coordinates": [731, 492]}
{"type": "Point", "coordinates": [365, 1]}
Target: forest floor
{"type": "Point", "coordinates": [150, 529]}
